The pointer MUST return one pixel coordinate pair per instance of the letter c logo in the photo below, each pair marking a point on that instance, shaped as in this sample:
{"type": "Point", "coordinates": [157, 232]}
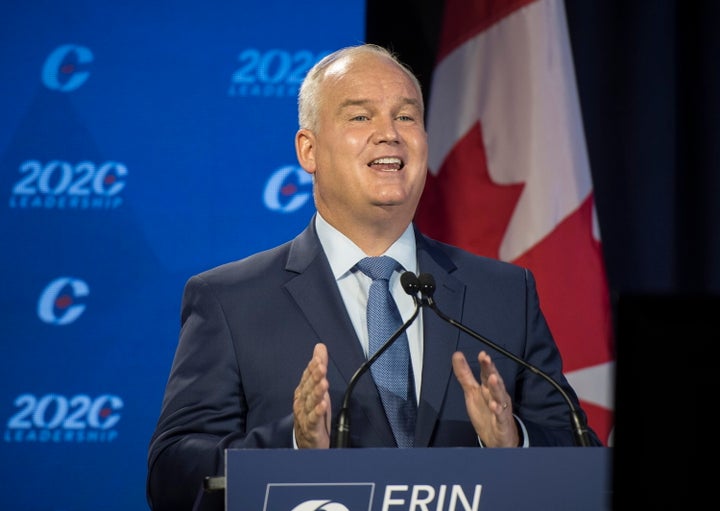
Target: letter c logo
{"type": "Point", "coordinates": [57, 64]}
{"type": "Point", "coordinates": [51, 300]}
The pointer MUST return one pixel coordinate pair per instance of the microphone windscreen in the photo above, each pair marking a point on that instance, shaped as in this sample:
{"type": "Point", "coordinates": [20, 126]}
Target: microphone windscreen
{"type": "Point", "coordinates": [427, 284]}
{"type": "Point", "coordinates": [410, 283]}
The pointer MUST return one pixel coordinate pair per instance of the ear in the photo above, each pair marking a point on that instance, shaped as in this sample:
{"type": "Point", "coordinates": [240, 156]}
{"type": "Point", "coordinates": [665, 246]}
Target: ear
{"type": "Point", "coordinates": [305, 149]}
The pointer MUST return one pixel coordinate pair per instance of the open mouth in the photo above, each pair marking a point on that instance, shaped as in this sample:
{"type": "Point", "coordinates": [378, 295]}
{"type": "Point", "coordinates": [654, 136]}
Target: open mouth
{"type": "Point", "coordinates": [388, 164]}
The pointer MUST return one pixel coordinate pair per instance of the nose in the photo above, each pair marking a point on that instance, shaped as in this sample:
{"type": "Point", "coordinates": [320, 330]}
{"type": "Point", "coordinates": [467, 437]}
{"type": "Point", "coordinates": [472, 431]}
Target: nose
{"type": "Point", "coordinates": [385, 131]}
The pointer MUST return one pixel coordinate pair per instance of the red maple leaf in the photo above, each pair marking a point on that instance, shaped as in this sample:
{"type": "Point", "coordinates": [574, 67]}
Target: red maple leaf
{"type": "Point", "coordinates": [462, 205]}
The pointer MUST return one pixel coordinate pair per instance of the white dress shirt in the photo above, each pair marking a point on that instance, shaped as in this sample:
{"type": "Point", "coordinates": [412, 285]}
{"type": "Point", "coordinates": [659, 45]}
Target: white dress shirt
{"type": "Point", "coordinates": [354, 285]}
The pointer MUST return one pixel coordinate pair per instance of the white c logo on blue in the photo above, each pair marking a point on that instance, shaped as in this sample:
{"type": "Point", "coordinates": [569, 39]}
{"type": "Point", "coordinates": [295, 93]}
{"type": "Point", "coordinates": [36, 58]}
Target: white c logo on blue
{"type": "Point", "coordinates": [55, 66]}
{"type": "Point", "coordinates": [320, 505]}
{"type": "Point", "coordinates": [279, 187]}
{"type": "Point", "coordinates": [51, 300]}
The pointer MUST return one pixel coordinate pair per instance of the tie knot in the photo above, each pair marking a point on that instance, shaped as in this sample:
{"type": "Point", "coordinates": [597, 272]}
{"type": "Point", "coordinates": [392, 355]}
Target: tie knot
{"type": "Point", "coordinates": [378, 267]}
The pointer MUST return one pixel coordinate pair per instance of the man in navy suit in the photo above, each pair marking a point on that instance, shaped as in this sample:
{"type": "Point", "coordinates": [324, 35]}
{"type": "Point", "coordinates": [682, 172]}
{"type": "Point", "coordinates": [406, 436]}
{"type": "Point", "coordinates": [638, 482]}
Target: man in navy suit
{"type": "Point", "coordinates": [268, 344]}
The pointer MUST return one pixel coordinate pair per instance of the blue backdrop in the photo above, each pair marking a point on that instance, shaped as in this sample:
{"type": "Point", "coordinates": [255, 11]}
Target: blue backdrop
{"type": "Point", "coordinates": [139, 143]}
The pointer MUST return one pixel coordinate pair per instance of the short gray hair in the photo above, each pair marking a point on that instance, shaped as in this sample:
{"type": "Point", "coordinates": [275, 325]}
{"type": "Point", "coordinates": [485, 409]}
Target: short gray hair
{"type": "Point", "coordinates": [308, 97]}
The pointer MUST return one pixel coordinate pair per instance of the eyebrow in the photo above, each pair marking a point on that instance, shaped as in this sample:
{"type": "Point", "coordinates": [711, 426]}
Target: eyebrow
{"type": "Point", "coordinates": [363, 102]}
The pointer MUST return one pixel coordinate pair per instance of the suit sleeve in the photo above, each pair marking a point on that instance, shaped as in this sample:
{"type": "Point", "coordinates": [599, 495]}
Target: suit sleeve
{"type": "Point", "coordinates": [549, 425]}
{"type": "Point", "coordinates": [204, 410]}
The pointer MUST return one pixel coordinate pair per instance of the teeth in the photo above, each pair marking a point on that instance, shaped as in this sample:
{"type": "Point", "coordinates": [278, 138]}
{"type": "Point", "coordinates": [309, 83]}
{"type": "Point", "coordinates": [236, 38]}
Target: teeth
{"type": "Point", "coordinates": [387, 161]}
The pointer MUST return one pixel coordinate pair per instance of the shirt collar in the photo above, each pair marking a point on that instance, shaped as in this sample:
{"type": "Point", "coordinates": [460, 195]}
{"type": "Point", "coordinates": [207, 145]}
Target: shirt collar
{"type": "Point", "coordinates": [343, 254]}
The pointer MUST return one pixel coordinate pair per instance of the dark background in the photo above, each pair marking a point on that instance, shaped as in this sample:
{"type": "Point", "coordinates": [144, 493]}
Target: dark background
{"type": "Point", "coordinates": [649, 84]}
{"type": "Point", "coordinates": [648, 75]}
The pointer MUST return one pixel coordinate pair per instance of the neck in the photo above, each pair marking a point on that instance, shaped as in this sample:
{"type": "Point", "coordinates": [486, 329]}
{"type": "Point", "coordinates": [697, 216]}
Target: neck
{"type": "Point", "coordinates": [372, 237]}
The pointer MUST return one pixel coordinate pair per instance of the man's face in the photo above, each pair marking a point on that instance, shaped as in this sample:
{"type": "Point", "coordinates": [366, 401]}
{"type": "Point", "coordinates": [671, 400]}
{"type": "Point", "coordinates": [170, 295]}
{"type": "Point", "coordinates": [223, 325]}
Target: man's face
{"type": "Point", "coordinates": [369, 150]}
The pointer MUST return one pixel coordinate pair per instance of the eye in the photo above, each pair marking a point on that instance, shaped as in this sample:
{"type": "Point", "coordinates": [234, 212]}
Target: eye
{"type": "Point", "coordinates": [359, 118]}
{"type": "Point", "coordinates": [406, 118]}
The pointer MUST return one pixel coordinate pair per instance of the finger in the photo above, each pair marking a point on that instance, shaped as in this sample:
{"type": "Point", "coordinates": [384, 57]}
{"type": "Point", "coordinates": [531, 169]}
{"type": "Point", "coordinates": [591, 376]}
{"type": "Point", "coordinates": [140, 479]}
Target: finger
{"type": "Point", "coordinates": [313, 384]}
{"type": "Point", "coordinates": [320, 352]}
{"type": "Point", "coordinates": [487, 366]}
{"type": "Point", "coordinates": [318, 395]}
{"type": "Point", "coordinates": [498, 398]}
{"type": "Point", "coordinates": [463, 373]}
{"type": "Point", "coordinates": [498, 401]}
{"type": "Point", "coordinates": [317, 367]}
{"type": "Point", "coordinates": [326, 411]}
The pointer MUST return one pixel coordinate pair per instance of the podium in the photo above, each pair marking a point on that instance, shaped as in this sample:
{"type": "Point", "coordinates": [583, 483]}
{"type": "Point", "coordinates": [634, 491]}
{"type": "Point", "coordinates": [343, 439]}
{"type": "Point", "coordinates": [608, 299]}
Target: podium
{"type": "Point", "coordinates": [420, 479]}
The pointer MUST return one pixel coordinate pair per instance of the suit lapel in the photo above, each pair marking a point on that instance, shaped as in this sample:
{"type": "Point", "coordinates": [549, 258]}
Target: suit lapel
{"type": "Point", "coordinates": [439, 338]}
{"type": "Point", "coordinates": [316, 294]}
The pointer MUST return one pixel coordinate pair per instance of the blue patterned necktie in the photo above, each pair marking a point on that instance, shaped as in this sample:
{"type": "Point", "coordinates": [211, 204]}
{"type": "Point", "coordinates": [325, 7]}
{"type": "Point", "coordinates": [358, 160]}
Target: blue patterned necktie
{"type": "Point", "coordinates": [392, 371]}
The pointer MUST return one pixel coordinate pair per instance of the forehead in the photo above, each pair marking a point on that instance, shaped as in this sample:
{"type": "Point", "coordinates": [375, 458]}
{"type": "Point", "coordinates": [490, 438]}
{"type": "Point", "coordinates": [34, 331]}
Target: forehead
{"type": "Point", "coordinates": [369, 75]}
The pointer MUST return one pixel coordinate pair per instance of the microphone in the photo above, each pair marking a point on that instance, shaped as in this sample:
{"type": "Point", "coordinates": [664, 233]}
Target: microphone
{"type": "Point", "coordinates": [411, 286]}
{"type": "Point", "coordinates": [426, 284]}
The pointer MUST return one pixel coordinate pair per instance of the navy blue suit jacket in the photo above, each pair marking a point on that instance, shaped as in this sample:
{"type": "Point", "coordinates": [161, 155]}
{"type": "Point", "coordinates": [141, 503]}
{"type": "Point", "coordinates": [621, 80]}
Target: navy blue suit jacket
{"type": "Point", "coordinates": [248, 331]}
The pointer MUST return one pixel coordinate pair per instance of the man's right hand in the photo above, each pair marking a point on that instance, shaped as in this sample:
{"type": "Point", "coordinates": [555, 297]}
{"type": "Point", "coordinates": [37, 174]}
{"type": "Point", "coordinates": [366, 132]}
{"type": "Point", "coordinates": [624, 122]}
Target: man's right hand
{"type": "Point", "coordinates": [311, 403]}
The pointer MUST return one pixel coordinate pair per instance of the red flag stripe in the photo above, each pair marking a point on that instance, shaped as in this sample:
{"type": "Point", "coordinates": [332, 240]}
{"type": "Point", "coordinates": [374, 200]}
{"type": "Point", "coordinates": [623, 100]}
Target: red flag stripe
{"type": "Point", "coordinates": [510, 177]}
{"type": "Point", "coordinates": [463, 20]}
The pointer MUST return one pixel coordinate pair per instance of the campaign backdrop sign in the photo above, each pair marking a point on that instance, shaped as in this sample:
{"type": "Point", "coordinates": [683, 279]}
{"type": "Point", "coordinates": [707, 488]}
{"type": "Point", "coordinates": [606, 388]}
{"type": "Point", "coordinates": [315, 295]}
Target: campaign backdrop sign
{"type": "Point", "coordinates": [140, 143]}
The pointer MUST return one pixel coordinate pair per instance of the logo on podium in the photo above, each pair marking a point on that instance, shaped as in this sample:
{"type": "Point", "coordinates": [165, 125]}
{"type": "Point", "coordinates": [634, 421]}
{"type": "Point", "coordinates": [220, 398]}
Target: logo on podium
{"type": "Point", "coordinates": [318, 497]}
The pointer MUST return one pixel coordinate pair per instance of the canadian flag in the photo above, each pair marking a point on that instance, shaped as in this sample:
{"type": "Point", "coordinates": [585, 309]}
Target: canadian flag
{"type": "Point", "coordinates": [510, 177]}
